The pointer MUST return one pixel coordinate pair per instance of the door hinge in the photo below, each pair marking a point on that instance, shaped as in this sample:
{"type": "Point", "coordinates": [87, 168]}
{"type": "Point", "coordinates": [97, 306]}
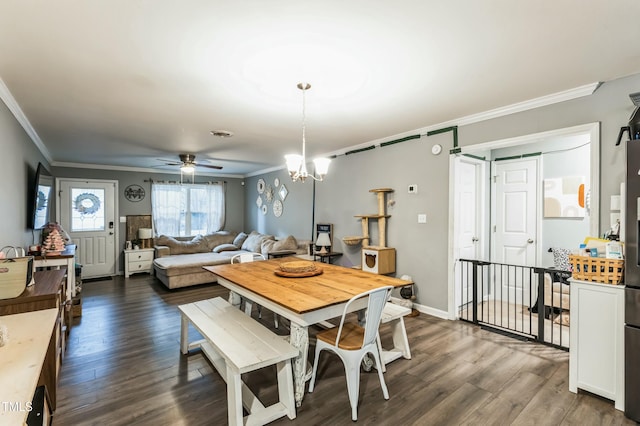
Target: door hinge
{"type": "Point", "coordinates": [495, 179]}
{"type": "Point", "coordinates": [494, 228]}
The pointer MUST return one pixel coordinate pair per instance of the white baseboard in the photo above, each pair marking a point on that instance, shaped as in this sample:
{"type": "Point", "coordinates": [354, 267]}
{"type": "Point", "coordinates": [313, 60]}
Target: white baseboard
{"type": "Point", "coordinates": [427, 310]}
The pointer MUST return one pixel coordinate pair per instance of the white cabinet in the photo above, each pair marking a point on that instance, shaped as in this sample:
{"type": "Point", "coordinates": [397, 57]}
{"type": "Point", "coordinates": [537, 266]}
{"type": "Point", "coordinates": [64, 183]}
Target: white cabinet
{"type": "Point", "coordinates": [596, 353]}
{"type": "Point", "coordinates": [140, 260]}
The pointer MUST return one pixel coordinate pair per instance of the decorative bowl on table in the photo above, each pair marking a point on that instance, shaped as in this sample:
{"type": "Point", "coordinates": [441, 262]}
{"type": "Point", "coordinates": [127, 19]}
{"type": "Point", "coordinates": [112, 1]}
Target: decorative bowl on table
{"type": "Point", "coordinates": [298, 269]}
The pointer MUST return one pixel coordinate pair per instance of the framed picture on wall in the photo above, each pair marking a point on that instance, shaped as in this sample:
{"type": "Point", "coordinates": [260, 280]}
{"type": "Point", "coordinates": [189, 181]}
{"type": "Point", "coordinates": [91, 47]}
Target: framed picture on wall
{"type": "Point", "coordinates": [324, 227]}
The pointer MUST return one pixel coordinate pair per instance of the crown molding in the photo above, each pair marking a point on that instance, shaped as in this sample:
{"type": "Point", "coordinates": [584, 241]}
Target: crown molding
{"type": "Point", "coordinates": [138, 169]}
{"type": "Point", "coordinates": [17, 112]}
{"type": "Point", "coordinates": [554, 98]}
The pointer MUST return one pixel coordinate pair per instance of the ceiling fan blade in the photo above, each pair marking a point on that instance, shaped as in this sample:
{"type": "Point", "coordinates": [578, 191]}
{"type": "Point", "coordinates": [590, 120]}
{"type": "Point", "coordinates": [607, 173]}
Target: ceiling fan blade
{"type": "Point", "coordinates": [210, 166]}
{"type": "Point", "coordinates": [173, 164]}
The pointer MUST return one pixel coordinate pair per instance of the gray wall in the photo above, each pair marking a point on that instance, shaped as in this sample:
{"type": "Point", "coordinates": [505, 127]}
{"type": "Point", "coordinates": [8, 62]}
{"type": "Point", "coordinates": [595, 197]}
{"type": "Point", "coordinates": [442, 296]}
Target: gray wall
{"type": "Point", "coordinates": [422, 248]}
{"type": "Point", "coordinates": [18, 163]}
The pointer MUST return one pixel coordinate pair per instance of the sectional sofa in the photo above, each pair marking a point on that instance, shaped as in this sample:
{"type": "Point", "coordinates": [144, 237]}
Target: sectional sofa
{"type": "Point", "coordinates": [179, 261]}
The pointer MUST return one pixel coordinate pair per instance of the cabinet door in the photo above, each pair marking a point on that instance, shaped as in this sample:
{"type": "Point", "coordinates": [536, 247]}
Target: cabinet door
{"type": "Point", "coordinates": [597, 340]}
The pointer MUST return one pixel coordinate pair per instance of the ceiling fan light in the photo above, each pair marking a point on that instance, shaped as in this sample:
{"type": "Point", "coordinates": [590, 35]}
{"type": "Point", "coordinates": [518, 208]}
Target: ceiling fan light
{"type": "Point", "coordinates": [188, 168]}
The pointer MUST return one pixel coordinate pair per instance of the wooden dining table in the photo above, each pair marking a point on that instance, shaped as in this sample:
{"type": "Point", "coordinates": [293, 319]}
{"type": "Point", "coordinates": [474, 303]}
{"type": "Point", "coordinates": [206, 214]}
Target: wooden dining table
{"type": "Point", "coordinates": [304, 301]}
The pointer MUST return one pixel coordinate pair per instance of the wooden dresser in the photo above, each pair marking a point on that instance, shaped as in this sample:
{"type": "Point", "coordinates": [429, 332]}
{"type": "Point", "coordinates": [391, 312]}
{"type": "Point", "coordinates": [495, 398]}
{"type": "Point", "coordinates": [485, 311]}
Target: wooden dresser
{"type": "Point", "coordinates": [48, 292]}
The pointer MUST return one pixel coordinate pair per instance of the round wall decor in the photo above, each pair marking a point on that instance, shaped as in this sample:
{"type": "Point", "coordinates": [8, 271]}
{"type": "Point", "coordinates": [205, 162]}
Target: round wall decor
{"type": "Point", "coordinates": [269, 193]}
{"type": "Point", "coordinates": [260, 186]}
{"type": "Point", "coordinates": [277, 208]}
{"type": "Point", "coordinates": [134, 193]}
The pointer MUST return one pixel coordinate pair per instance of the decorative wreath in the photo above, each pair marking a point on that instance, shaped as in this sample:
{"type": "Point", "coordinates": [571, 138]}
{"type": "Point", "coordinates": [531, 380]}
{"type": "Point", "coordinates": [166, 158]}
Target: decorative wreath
{"type": "Point", "coordinates": [87, 203]}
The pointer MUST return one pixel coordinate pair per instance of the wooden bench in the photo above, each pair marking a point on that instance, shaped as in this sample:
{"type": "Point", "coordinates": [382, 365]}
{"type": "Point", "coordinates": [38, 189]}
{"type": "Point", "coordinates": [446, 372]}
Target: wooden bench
{"type": "Point", "coordinates": [237, 344]}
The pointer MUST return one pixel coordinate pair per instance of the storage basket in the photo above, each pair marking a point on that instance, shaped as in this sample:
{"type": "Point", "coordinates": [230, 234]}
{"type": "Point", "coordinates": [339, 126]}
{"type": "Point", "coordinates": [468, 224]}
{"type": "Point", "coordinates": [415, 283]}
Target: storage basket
{"type": "Point", "coordinates": [597, 269]}
{"type": "Point", "coordinates": [15, 275]}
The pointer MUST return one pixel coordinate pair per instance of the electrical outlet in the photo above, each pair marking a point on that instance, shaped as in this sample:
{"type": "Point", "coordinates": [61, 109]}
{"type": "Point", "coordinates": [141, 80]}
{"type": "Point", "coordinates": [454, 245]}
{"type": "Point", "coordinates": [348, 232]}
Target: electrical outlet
{"type": "Point", "coordinates": [422, 218]}
{"type": "Point", "coordinates": [413, 189]}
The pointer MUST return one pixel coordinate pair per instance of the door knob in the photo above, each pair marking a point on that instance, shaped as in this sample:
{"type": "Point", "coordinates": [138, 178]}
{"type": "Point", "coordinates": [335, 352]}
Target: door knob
{"type": "Point", "coordinates": [475, 239]}
{"type": "Point", "coordinates": [530, 241]}
{"type": "Point", "coordinates": [110, 233]}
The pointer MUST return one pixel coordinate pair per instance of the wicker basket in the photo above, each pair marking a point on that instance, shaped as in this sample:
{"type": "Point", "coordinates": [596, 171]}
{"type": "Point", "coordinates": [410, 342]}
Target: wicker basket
{"type": "Point", "coordinates": [597, 269]}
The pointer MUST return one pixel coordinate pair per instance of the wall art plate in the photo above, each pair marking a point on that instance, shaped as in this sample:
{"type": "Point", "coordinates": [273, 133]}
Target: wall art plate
{"type": "Point", "coordinates": [259, 201]}
{"type": "Point", "coordinates": [276, 182]}
{"type": "Point", "coordinates": [277, 208]}
{"type": "Point", "coordinates": [261, 185]}
{"type": "Point", "coordinates": [264, 209]}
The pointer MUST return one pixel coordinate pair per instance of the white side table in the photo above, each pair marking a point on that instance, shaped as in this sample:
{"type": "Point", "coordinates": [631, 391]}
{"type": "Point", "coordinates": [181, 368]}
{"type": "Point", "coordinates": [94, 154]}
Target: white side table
{"type": "Point", "coordinates": [140, 260]}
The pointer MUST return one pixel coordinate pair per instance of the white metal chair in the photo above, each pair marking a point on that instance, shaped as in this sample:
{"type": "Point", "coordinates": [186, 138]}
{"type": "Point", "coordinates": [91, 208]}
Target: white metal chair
{"type": "Point", "coordinates": [394, 315]}
{"type": "Point", "coordinates": [351, 343]}
{"type": "Point", "coordinates": [248, 304]}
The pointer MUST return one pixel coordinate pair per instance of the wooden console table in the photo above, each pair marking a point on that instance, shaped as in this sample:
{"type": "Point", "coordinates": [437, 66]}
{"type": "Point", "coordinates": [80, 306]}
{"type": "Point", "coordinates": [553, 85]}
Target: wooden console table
{"type": "Point", "coordinates": [24, 360]}
{"type": "Point", "coordinates": [66, 258]}
{"type": "Point", "coordinates": [45, 295]}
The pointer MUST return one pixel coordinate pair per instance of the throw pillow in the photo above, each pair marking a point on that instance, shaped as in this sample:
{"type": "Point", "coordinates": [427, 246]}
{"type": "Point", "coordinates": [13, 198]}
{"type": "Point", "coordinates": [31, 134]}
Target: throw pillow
{"type": "Point", "coordinates": [561, 258]}
{"type": "Point", "coordinates": [254, 241]}
{"type": "Point", "coordinates": [239, 240]}
{"type": "Point", "coordinates": [214, 239]}
{"type": "Point", "coordinates": [288, 243]}
{"type": "Point", "coordinates": [225, 247]}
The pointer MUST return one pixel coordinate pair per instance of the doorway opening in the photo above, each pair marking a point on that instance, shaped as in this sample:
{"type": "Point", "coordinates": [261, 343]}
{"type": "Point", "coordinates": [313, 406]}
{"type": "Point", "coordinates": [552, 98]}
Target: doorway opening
{"type": "Point", "coordinates": [476, 205]}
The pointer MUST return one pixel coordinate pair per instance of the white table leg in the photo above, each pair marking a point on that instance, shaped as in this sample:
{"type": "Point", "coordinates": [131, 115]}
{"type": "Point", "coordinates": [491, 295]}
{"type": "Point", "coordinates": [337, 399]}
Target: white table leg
{"type": "Point", "coordinates": [184, 334]}
{"type": "Point", "coordinates": [299, 339]}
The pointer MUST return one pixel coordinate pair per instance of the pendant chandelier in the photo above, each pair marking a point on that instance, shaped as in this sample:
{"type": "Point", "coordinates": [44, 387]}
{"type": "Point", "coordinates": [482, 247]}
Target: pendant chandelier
{"type": "Point", "coordinates": [297, 164]}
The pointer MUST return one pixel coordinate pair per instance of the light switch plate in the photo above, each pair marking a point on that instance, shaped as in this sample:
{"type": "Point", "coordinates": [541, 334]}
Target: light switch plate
{"type": "Point", "coordinates": [123, 219]}
{"type": "Point", "coordinates": [422, 218]}
{"type": "Point", "coordinates": [413, 189]}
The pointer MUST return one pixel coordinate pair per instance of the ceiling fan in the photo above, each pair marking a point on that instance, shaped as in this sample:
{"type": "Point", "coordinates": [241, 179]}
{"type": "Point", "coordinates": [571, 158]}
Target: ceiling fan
{"type": "Point", "coordinates": [188, 163]}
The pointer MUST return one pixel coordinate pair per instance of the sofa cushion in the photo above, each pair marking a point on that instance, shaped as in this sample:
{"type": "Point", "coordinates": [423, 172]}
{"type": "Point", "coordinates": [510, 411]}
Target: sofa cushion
{"type": "Point", "coordinates": [196, 245]}
{"type": "Point", "coordinates": [189, 263]}
{"type": "Point", "coordinates": [288, 243]}
{"type": "Point", "coordinates": [225, 247]}
{"type": "Point", "coordinates": [239, 240]}
{"type": "Point", "coordinates": [254, 241]}
{"type": "Point", "coordinates": [216, 238]}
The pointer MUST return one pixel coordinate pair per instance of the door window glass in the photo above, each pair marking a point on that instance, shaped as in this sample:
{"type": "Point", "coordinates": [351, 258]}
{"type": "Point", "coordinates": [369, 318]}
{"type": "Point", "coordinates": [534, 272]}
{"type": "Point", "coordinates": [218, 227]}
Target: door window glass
{"type": "Point", "coordinates": [87, 209]}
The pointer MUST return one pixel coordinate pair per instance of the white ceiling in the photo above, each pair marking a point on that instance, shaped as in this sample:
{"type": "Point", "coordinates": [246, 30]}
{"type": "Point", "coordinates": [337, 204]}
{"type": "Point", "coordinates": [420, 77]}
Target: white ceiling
{"type": "Point", "coordinates": [125, 82]}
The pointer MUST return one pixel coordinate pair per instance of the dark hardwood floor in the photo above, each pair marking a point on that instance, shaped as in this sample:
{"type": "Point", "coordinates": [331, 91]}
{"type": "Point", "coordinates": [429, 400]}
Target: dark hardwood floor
{"type": "Point", "coordinates": [123, 366]}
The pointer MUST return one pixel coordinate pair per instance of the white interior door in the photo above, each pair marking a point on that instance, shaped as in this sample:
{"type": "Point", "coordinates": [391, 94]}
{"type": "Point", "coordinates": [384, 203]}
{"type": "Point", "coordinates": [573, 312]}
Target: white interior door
{"type": "Point", "coordinates": [468, 217]}
{"type": "Point", "coordinates": [87, 212]}
{"type": "Point", "coordinates": [516, 216]}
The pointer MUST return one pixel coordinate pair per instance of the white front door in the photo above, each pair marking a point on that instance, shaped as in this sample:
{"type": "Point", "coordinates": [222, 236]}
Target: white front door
{"type": "Point", "coordinates": [469, 216]}
{"type": "Point", "coordinates": [516, 216]}
{"type": "Point", "coordinates": [87, 212]}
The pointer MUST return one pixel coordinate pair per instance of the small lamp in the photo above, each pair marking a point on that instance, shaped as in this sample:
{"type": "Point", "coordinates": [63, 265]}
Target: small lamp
{"type": "Point", "coordinates": [323, 241]}
{"type": "Point", "coordinates": [145, 234]}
